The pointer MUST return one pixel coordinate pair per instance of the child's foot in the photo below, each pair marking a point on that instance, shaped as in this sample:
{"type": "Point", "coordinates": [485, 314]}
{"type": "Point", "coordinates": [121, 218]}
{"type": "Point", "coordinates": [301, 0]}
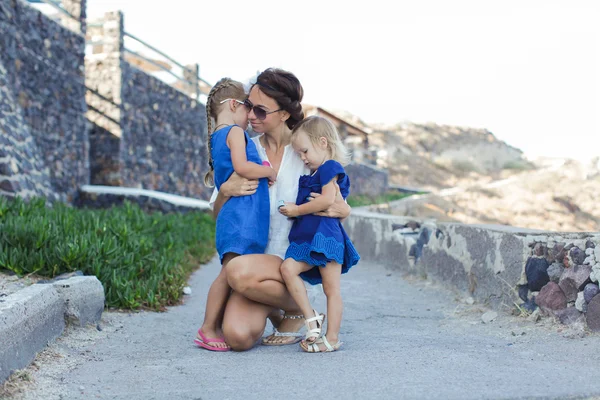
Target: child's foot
{"type": "Point", "coordinates": [322, 345]}
{"type": "Point", "coordinates": [210, 340]}
{"type": "Point", "coordinates": [314, 326]}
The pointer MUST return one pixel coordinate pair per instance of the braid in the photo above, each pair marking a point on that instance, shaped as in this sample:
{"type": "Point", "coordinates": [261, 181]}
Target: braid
{"type": "Point", "coordinates": [222, 84]}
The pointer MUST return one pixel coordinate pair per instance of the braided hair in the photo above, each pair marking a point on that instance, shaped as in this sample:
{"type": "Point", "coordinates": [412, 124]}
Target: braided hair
{"type": "Point", "coordinates": [226, 88]}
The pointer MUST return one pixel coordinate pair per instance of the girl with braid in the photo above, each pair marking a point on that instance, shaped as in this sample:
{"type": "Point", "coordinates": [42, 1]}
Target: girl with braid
{"type": "Point", "coordinates": [243, 222]}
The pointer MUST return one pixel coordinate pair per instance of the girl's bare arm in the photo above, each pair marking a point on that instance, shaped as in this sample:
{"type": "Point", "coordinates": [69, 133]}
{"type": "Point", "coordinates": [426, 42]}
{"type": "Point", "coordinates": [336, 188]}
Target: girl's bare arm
{"type": "Point", "coordinates": [236, 140]}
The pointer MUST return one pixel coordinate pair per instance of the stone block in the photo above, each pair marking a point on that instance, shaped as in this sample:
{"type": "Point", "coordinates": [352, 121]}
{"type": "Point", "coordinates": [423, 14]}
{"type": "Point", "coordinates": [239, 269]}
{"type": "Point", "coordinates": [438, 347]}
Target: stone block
{"type": "Point", "coordinates": [29, 320]}
{"type": "Point", "coordinates": [574, 279]}
{"type": "Point", "coordinates": [536, 270]}
{"type": "Point", "coordinates": [593, 314]}
{"type": "Point", "coordinates": [551, 297]}
{"type": "Point", "coordinates": [83, 297]}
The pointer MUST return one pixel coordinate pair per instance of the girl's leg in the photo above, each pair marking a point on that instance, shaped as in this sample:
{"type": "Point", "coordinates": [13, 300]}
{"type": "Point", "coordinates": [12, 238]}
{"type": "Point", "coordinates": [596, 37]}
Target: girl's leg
{"type": "Point", "coordinates": [244, 322]}
{"type": "Point", "coordinates": [215, 304]}
{"type": "Point", "coordinates": [331, 275]}
{"type": "Point", "coordinates": [258, 278]}
{"type": "Point", "coordinates": [290, 271]}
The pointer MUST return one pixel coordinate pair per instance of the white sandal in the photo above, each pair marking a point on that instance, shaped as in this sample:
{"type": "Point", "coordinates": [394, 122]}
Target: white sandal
{"type": "Point", "coordinates": [314, 347]}
{"type": "Point", "coordinates": [297, 336]}
{"type": "Point", "coordinates": [315, 333]}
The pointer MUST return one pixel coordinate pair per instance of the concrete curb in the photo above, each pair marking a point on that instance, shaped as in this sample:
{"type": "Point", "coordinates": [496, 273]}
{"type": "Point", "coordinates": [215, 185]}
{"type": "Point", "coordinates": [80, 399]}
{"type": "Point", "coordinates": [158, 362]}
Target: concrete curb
{"type": "Point", "coordinates": [35, 316]}
{"type": "Point", "coordinates": [83, 297]}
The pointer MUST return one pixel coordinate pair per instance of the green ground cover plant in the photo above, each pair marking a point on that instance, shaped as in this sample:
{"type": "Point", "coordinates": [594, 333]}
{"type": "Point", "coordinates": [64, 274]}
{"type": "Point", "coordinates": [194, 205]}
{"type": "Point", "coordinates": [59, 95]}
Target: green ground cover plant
{"type": "Point", "coordinates": [143, 260]}
{"type": "Point", "coordinates": [365, 200]}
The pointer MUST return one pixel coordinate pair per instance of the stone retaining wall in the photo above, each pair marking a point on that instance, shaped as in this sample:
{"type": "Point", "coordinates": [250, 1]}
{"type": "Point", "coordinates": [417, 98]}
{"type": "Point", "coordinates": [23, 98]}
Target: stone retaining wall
{"type": "Point", "coordinates": [146, 134]}
{"type": "Point", "coordinates": [92, 196]}
{"type": "Point", "coordinates": [503, 267]}
{"type": "Point", "coordinates": [367, 179]}
{"type": "Point", "coordinates": [42, 98]}
{"type": "Point", "coordinates": [163, 136]}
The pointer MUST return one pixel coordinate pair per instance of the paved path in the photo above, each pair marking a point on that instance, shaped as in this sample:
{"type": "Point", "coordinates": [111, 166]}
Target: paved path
{"type": "Point", "coordinates": [403, 340]}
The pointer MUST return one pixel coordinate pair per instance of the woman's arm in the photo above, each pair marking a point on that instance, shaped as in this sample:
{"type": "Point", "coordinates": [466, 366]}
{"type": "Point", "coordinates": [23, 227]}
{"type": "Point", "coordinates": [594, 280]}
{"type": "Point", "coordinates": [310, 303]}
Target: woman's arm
{"type": "Point", "coordinates": [323, 202]}
{"type": "Point", "coordinates": [236, 140]}
{"type": "Point", "coordinates": [235, 186]}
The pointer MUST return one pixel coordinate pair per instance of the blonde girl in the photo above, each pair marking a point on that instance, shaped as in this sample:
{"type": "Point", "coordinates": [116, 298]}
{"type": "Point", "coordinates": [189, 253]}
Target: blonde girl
{"type": "Point", "coordinates": [320, 250]}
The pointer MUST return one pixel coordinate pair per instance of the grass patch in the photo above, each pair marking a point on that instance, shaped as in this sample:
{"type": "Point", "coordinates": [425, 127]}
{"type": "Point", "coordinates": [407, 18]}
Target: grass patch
{"type": "Point", "coordinates": [365, 200]}
{"type": "Point", "coordinates": [143, 260]}
{"type": "Point", "coordinates": [521, 165]}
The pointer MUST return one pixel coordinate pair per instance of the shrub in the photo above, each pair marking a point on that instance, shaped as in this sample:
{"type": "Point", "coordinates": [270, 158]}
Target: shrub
{"type": "Point", "coordinates": [365, 200]}
{"type": "Point", "coordinates": [142, 260]}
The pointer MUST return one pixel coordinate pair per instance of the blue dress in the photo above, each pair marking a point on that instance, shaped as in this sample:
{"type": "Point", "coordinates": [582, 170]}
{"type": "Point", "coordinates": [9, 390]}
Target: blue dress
{"type": "Point", "coordinates": [318, 240]}
{"type": "Point", "coordinates": [243, 222]}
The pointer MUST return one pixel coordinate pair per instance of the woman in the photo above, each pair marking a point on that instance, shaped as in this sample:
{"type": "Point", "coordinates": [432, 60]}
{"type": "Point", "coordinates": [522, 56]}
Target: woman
{"type": "Point", "coordinates": [259, 290]}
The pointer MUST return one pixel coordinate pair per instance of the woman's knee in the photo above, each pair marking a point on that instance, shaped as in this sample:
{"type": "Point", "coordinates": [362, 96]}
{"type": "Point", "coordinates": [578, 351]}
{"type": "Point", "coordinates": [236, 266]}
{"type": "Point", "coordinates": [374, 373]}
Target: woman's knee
{"type": "Point", "coordinates": [239, 274]}
{"type": "Point", "coordinates": [239, 338]}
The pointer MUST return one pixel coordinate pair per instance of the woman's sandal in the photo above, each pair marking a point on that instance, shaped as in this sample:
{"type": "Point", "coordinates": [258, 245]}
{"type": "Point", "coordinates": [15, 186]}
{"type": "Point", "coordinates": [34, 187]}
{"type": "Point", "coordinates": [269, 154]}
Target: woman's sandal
{"type": "Point", "coordinates": [314, 347]}
{"type": "Point", "coordinates": [315, 333]}
{"type": "Point", "coordinates": [203, 342]}
{"type": "Point", "coordinates": [297, 336]}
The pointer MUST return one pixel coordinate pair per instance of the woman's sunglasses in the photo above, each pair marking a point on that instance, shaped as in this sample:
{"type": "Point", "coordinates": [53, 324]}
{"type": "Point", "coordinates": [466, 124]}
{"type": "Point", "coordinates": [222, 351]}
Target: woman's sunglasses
{"type": "Point", "coordinates": [260, 113]}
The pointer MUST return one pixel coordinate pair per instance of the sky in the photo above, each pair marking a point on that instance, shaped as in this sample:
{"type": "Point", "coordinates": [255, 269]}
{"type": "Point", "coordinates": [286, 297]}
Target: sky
{"type": "Point", "coordinates": [527, 70]}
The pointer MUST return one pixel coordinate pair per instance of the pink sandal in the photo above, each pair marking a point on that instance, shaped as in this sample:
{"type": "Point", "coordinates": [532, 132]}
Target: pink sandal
{"type": "Point", "coordinates": [204, 343]}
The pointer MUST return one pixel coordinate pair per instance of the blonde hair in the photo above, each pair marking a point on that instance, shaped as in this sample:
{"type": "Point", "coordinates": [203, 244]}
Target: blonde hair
{"type": "Point", "coordinates": [226, 88]}
{"type": "Point", "coordinates": [317, 127]}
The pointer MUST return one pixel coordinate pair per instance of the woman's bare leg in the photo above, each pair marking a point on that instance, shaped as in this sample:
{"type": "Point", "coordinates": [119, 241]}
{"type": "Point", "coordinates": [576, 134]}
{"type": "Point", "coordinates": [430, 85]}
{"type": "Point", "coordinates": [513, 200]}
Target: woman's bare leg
{"type": "Point", "coordinates": [244, 322]}
{"type": "Point", "coordinates": [258, 278]}
{"type": "Point", "coordinates": [215, 304]}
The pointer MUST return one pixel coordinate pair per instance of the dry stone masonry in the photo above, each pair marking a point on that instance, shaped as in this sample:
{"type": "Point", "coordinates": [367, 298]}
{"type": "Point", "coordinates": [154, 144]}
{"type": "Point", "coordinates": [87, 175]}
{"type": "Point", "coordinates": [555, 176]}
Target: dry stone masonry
{"type": "Point", "coordinates": [42, 116]}
{"type": "Point", "coordinates": [500, 266]}
{"type": "Point", "coordinates": [145, 133]}
{"type": "Point", "coordinates": [567, 271]}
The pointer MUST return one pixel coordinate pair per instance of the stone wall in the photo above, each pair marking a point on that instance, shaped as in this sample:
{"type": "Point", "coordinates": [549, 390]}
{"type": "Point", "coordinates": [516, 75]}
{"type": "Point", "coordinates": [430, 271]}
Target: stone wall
{"type": "Point", "coordinates": [163, 136]}
{"type": "Point", "coordinates": [44, 135]}
{"type": "Point", "coordinates": [146, 134]}
{"type": "Point", "coordinates": [367, 179]}
{"type": "Point", "coordinates": [148, 200]}
{"type": "Point", "coordinates": [508, 268]}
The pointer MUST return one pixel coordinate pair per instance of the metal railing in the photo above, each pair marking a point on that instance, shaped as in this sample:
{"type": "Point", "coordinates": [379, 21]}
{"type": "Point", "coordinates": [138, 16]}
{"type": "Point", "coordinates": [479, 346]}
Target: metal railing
{"type": "Point", "coordinates": [195, 84]}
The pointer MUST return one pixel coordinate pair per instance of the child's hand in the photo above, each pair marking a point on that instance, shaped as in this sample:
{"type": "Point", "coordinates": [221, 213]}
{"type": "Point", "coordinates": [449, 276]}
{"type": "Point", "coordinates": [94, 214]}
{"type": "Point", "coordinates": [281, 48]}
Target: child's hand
{"type": "Point", "coordinates": [290, 210]}
{"type": "Point", "coordinates": [272, 178]}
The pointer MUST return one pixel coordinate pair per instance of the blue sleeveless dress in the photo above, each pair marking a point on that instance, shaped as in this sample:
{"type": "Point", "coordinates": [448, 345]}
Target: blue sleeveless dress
{"type": "Point", "coordinates": [317, 240]}
{"type": "Point", "coordinates": [243, 222]}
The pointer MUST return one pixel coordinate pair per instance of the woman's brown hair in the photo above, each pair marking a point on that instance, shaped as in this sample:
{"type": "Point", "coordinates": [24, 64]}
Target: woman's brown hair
{"type": "Point", "coordinates": [283, 87]}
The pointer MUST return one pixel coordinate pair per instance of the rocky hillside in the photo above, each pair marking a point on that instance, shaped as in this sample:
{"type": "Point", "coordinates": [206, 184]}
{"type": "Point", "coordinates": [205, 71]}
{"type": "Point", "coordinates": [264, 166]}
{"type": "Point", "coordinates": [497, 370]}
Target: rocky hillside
{"type": "Point", "coordinates": [559, 195]}
{"type": "Point", "coordinates": [476, 178]}
{"type": "Point", "coordinates": [438, 156]}
{"type": "Point", "coordinates": [432, 157]}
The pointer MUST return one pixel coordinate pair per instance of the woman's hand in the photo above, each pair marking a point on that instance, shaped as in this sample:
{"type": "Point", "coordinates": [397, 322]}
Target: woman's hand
{"type": "Point", "coordinates": [339, 209]}
{"type": "Point", "coordinates": [237, 186]}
